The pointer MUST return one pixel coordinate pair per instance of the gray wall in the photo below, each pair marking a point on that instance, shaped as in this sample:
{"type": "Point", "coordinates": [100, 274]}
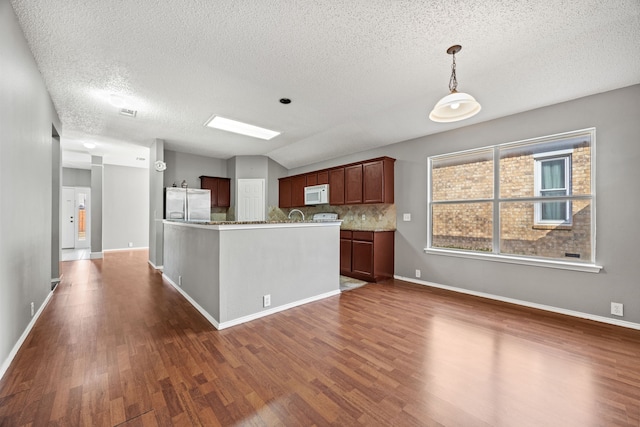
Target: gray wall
{"type": "Point", "coordinates": [97, 183]}
{"type": "Point", "coordinates": [276, 170]}
{"type": "Point", "coordinates": [56, 196]}
{"type": "Point", "coordinates": [615, 116]}
{"type": "Point", "coordinates": [26, 117]}
{"type": "Point", "coordinates": [156, 185]}
{"type": "Point", "coordinates": [183, 166]}
{"type": "Point", "coordinates": [72, 177]}
{"type": "Point", "coordinates": [126, 207]}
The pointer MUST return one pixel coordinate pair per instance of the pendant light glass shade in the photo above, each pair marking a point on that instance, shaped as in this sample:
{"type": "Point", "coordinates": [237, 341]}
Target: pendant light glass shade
{"type": "Point", "coordinates": [457, 105]}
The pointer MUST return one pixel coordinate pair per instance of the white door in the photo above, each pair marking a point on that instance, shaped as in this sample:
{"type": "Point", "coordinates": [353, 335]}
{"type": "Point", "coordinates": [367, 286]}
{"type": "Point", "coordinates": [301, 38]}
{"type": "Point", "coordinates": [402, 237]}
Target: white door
{"type": "Point", "coordinates": [83, 218]}
{"type": "Point", "coordinates": [251, 204]}
{"type": "Point", "coordinates": [67, 228]}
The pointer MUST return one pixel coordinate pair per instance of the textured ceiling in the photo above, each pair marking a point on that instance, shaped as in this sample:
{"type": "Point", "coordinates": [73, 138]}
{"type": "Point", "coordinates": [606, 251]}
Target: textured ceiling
{"type": "Point", "coordinates": [360, 73]}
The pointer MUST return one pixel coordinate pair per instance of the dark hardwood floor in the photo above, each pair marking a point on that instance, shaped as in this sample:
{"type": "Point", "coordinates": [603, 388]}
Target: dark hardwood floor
{"type": "Point", "coordinates": [118, 347]}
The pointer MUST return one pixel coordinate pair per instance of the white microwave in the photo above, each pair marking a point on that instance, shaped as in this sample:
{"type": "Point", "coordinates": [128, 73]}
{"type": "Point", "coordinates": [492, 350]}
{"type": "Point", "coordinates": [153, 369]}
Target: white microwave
{"type": "Point", "coordinates": [316, 194]}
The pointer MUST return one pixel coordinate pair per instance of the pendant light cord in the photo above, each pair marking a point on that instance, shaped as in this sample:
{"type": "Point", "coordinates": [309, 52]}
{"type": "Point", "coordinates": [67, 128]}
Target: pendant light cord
{"type": "Point", "coordinates": [453, 81]}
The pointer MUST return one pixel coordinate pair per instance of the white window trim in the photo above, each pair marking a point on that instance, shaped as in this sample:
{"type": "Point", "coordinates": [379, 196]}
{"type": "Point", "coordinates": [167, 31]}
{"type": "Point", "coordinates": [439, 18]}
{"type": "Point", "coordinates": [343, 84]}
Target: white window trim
{"type": "Point", "coordinates": [590, 267]}
{"type": "Point", "coordinates": [512, 259]}
{"type": "Point", "coordinates": [538, 160]}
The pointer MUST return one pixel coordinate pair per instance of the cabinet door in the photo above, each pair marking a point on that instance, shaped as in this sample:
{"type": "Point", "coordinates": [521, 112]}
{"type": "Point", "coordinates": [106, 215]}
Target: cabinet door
{"type": "Point", "coordinates": [362, 257]}
{"type": "Point", "coordinates": [312, 179]}
{"type": "Point", "coordinates": [353, 184]}
{"type": "Point", "coordinates": [224, 193]}
{"type": "Point", "coordinates": [377, 181]}
{"type": "Point", "coordinates": [373, 176]}
{"type": "Point", "coordinates": [210, 183]}
{"type": "Point", "coordinates": [323, 177]}
{"type": "Point", "coordinates": [345, 256]}
{"type": "Point", "coordinates": [336, 186]}
{"type": "Point", "coordinates": [298, 183]}
{"type": "Point", "coordinates": [284, 193]}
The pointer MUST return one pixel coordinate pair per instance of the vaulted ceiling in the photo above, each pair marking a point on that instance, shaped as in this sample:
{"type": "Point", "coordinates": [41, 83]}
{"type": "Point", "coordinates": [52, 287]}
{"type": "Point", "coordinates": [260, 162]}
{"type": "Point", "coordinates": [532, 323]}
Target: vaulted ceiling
{"type": "Point", "coordinates": [360, 73]}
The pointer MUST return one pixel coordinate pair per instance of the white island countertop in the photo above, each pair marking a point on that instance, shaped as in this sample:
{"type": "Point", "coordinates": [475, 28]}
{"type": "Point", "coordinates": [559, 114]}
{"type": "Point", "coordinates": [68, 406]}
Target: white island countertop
{"type": "Point", "coordinates": [244, 225]}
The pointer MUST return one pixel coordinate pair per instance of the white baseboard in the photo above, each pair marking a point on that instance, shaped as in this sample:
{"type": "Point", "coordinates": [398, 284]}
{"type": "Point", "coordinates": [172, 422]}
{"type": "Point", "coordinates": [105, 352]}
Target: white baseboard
{"type": "Point", "coordinates": [23, 337]}
{"type": "Point", "coordinates": [197, 306]}
{"type": "Point", "coordinates": [125, 249]}
{"type": "Point", "coordinates": [573, 313]}
{"type": "Point", "coordinates": [250, 317]}
{"type": "Point", "coordinates": [278, 309]}
{"type": "Point", "coordinates": [155, 267]}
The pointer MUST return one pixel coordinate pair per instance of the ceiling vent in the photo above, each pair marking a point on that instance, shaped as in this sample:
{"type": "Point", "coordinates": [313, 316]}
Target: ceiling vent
{"type": "Point", "coordinates": [127, 112]}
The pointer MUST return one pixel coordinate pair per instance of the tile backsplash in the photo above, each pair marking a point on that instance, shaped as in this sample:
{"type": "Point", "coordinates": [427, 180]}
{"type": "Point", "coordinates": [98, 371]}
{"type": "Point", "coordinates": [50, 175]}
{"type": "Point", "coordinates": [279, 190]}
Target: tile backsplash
{"type": "Point", "coordinates": [377, 217]}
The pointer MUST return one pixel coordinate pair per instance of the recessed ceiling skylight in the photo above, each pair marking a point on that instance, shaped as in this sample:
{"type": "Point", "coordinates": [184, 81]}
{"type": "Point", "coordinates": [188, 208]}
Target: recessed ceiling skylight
{"type": "Point", "coordinates": [229, 125]}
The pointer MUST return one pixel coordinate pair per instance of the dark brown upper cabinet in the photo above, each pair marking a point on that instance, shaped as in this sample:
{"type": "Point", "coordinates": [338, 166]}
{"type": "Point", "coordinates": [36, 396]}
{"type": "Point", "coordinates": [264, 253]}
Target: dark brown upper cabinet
{"type": "Point", "coordinates": [323, 177]}
{"type": "Point", "coordinates": [298, 183]}
{"type": "Point", "coordinates": [336, 186]}
{"type": "Point", "coordinates": [378, 181]}
{"type": "Point", "coordinates": [284, 192]}
{"type": "Point", "coordinates": [369, 181]}
{"type": "Point", "coordinates": [352, 184]}
{"type": "Point", "coordinates": [220, 189]}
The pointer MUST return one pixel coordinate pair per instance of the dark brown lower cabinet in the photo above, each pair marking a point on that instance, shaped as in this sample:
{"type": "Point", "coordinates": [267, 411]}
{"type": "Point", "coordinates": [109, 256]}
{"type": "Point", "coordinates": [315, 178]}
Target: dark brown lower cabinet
{"type": "Point", "coordinates": [367, 255]}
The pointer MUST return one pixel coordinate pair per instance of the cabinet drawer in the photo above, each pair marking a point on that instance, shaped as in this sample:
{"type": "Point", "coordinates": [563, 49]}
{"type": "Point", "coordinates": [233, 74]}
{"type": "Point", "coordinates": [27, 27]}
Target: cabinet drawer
{"type": "Point", "coordinates": [345, 234]}
{"type": "Point", "coordinates": [363, 235]}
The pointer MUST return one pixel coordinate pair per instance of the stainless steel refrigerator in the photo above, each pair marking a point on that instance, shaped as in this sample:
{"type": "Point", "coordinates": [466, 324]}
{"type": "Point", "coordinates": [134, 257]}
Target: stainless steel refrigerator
{"type": "Point", "coordinates": [189, 204]}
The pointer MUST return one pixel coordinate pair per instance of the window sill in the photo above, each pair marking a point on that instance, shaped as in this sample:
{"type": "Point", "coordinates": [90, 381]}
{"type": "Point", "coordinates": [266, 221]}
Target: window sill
{"type": "Point", "coordinates": [536, 262]}
{"type": "Point", "coordinates": [552, 227]}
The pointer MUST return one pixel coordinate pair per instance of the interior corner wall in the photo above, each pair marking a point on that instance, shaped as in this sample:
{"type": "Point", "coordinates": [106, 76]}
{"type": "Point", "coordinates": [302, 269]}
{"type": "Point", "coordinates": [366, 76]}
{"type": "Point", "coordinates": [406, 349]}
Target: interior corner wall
{"type": "Point", "coordinates": [56, 197]}
{"type": "Point", "coordinates": [614, 114]}
{"type": "Point", "coordinates": [26, 117]}
{"type": "Point", "coordinates": [156, 204]}
{"type": "Point", "coordinates": [97, 184]}
{"type": "Point", "coordinates": [276, 170]}
{"type": "Point", "coordinates": [126, 207]}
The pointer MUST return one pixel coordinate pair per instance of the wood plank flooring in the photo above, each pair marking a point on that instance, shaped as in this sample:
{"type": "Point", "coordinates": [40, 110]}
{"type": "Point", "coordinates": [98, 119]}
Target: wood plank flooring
{"type": "Point", "coordinates": [118, 347]}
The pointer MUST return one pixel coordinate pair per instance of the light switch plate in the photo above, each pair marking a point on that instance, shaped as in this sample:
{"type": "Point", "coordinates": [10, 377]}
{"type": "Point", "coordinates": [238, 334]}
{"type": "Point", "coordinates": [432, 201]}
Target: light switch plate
{"type": "Point", "coordinates": [406, 217]}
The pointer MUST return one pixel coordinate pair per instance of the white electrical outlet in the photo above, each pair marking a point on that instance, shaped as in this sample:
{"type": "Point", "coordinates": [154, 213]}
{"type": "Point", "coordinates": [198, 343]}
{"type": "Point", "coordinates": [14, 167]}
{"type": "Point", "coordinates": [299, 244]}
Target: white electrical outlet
{"type": "Point", "coordinates": [418, 274]}
{"type": "Point", "coordinates": [179, 280]}
{"type": "Point", "coordinates": [130, 244]}
{"type": "Point", "coordinates": [266, 300]}
{"type": "Point", "coordinates": [617, 309]}
{"type": "Point", "coordinates": [406, 217]}
{"type": "Point", "coordinates": [33, 309]}
{"type": "Point", "coordinates": [364, 217]}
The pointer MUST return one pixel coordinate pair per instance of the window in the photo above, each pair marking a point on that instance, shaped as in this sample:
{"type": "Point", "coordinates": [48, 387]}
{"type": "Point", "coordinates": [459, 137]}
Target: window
{"type": "Point", "coordinates": [553, 179]}
{"type": "Point", "coordinates": [488, 202]}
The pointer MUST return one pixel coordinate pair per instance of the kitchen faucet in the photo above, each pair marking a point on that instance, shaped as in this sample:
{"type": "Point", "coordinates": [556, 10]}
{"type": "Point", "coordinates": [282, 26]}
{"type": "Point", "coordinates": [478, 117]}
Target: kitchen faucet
{"type": "Point", "coordinates": [296, 210]}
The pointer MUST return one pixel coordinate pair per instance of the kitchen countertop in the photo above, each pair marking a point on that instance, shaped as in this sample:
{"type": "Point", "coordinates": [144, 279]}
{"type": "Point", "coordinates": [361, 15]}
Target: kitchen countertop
{"type": "Point", "coordinates": [275, 223]}
{"type": "Point", "coordinates": [229, 225]}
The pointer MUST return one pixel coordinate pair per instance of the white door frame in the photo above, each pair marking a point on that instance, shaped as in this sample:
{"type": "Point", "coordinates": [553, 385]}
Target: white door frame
{"type": "Point", "coordinates": [86, 241]}
{"type": "Point", "coordinates": [67, 218]}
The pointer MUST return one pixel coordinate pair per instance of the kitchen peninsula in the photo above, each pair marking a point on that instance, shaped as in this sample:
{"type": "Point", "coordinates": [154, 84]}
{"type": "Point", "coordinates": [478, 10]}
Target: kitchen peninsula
{"type": "Point", "coordinates": [234, 272]}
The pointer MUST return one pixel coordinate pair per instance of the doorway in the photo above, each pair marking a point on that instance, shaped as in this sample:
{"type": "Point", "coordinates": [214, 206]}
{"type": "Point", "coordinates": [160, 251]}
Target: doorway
{"type": "Point", "coordinates": [75, 231]}
{"type": "Point", "coordinates": [251, 200]}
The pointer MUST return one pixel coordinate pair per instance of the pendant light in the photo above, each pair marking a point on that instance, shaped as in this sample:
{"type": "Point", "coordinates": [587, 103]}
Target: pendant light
{"type": "Point", "coordinates": [457, 105]}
